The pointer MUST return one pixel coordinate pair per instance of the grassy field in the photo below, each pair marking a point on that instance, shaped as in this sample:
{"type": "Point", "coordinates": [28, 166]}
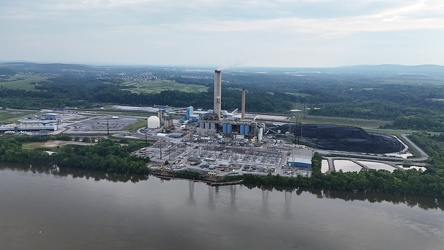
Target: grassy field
{"type": "Point", "coordinates": [23, 82]}
{"type": "Point", "coordinates": [364, 123]}
{"type": "Point", "coordinates": [50, 144]}
{"type": "Point", "coordinates": [12, 116]}
{"type": "Point", "coordinates": [159, 85]}
{"type": "Point", "coordinates": [436, 80]}
{"type": "Point", "coordinates": [135, 126]}
{"type": "Point", "coordinates": [297, 94]}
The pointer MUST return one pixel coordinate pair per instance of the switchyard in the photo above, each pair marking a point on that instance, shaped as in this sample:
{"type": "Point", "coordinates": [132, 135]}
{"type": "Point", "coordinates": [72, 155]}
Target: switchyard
{"type": "Point", "coordinates": [236, 157]}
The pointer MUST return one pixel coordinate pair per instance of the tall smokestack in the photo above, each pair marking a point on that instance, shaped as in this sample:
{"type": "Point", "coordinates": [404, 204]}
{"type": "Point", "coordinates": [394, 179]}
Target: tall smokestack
{"type": "Point", "coordinates": [243, 104]}
{"type": "Point", "coordinates": [217, 92]}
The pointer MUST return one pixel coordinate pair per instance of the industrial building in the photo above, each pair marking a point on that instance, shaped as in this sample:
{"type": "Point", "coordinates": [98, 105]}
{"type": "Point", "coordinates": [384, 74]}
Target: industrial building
{"type": "Point", "coordinates": [50, 116]}
{"type": "Point", "coordinates": [218, 121]}
{"type": "Point", "coordinates": [300, 158]}
{"type": "Point", "coordinates": [14, 128]}
{"type": "Point", "coordinates": [189, 115]}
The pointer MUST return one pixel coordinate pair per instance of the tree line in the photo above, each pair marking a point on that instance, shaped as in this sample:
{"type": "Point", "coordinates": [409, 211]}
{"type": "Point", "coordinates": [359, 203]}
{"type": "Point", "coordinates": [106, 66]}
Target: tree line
{"type": "Point", "coordinates": [429, 182]}
{"type": "Point", "coordinates": [89, 92]}
{"type": "Point", "coordinates": [106, 155]}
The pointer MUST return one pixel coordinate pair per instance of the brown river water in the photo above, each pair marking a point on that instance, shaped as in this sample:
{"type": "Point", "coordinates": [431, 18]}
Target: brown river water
{"type": "Point", "coordinates": [42, 208]}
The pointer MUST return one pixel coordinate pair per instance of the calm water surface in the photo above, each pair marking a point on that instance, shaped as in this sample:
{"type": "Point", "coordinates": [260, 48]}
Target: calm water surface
{"type": "Point", "coordinates": [346, 166]}
{"type": "Point", "coordinates": [378, 165]}
{"type": "Point", "coordinates": [42, 210]}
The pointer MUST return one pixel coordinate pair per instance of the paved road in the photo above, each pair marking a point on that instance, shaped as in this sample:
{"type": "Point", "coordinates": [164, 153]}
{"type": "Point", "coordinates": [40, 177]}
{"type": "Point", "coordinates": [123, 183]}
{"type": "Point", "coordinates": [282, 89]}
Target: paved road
{"type": "Point", "coordinates": [424, 155]}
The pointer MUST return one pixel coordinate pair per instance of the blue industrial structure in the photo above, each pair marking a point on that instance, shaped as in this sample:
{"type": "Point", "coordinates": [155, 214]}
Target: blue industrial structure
{"type": "Point", "coordinates": [300, 158]}
{"type": "Point", "coordinates": [246, 130]}
{"type": "Point", "coordinates": [229, 128]}
{"type": "Point", "coordinates": [189, 112]}
{"type": "Point", "coordinates": [189, 115]}
{"type": "Point", "coordinates": [299, 162]}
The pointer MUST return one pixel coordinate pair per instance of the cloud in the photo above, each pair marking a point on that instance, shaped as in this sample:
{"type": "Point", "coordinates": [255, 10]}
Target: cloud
{"type": "Point", "coordinates": [396, 19]}
{"type": "Point", "coordinates": [186, 30]}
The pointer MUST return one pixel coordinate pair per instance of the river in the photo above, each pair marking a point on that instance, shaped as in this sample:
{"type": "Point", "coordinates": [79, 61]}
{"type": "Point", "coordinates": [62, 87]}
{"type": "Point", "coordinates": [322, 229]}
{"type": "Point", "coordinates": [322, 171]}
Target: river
{"type": "Point", "coordinates": [70, 209]}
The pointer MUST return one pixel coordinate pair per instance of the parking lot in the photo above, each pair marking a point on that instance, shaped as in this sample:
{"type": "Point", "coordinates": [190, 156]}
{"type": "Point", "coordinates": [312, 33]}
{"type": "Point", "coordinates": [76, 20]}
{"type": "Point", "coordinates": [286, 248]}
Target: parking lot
{"type": "Point", "coordinates": [102, 124]}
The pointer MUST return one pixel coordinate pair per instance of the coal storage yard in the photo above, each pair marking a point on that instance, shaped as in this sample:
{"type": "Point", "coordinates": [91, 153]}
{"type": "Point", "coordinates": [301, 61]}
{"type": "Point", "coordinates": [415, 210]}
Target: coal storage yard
{"type": "Point", "coordinates": [344, 138]}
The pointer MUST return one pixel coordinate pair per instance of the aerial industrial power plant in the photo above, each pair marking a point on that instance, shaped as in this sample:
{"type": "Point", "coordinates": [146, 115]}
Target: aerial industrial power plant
{"type": "Point", "coordinates": [219, 143]}
{"type": "Point", "coordinates": [211, 124]}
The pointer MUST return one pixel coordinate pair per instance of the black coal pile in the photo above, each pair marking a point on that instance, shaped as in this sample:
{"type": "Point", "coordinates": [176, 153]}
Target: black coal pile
{"type": "Point", "coordinates": [343, 138]}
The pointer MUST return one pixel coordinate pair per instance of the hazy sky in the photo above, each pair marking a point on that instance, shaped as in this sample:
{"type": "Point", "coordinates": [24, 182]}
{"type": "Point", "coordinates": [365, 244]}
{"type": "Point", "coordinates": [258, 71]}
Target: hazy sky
{"type": "Point", "coordinates": [299, 33]}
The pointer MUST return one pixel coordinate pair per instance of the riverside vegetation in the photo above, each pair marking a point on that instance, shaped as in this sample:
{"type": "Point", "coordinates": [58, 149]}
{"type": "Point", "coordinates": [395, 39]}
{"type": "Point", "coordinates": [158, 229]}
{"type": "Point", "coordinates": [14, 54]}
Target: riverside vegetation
{"type": "Point", "coordinates": [107, 155]}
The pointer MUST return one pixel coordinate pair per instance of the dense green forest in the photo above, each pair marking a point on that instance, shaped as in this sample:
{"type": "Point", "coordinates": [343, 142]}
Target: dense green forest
{"type": "Point", "coordinates": [87, 92]}
{"type": "Point", "coordinates": [410, 101]}
{"type": "Point", "coordinates": [106, 155]}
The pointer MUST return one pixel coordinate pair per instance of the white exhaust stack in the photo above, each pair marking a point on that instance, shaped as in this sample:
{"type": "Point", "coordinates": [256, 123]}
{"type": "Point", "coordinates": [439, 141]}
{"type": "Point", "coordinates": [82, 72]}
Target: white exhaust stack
{"type": "Point", "coordinates": [217, 92]}
{"type": "Point", "coordinates": [243, 104]}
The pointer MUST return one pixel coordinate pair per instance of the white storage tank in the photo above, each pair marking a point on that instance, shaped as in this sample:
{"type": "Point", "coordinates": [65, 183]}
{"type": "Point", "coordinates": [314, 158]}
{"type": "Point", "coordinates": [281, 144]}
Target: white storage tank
{"type": "Point", "coordinates": [153, 122]}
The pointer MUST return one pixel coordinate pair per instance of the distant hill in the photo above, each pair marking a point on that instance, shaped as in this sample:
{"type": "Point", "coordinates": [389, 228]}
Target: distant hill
{"type": "Point", "coordinates": [392, 69]}
{"type": "Point", "coordinates": [383, 69]}
{"type": "Point", "coordinates": [36, 67]}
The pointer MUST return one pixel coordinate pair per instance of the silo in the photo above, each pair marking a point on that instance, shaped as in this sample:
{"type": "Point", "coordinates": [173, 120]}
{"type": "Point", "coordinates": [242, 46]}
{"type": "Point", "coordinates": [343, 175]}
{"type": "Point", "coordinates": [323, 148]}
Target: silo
{"type": "Point", "coordinates": [229, 128]}
{"type": "Point", "coordinates": [189, 112]}
{"type": "Point", "coordinates": [260, 134]}
{"type": "Point", "coordinates": [246, 129]}
{"type": "Point", "coordinates": [224, 128]}
{"type": "Point", "coordinates": [242, 129]}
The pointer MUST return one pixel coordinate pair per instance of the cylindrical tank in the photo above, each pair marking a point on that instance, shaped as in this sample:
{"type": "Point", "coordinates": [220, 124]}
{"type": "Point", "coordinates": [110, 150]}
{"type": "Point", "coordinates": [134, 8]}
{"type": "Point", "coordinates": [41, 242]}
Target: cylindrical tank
{"type": "Point", "coordinates": [246, 130]}
{"type": "Point", "coordinates": [224, 128]}
{"type": "Point", "coordinates": [260, 134]}
{"type": "Point", "coordinates": [153, 122]}
{"type": "Point", "coordinates": [242, 129]}
{"type": "Point", "coordinates": [229, 128]}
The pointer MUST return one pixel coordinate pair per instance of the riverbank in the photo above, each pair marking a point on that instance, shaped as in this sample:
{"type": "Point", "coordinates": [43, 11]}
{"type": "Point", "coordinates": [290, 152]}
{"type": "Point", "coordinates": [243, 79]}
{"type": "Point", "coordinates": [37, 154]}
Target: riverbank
{"type": "Point", "coordinates": [194, 176]}
{"type": "Point", "coordinates": [366, 181]}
